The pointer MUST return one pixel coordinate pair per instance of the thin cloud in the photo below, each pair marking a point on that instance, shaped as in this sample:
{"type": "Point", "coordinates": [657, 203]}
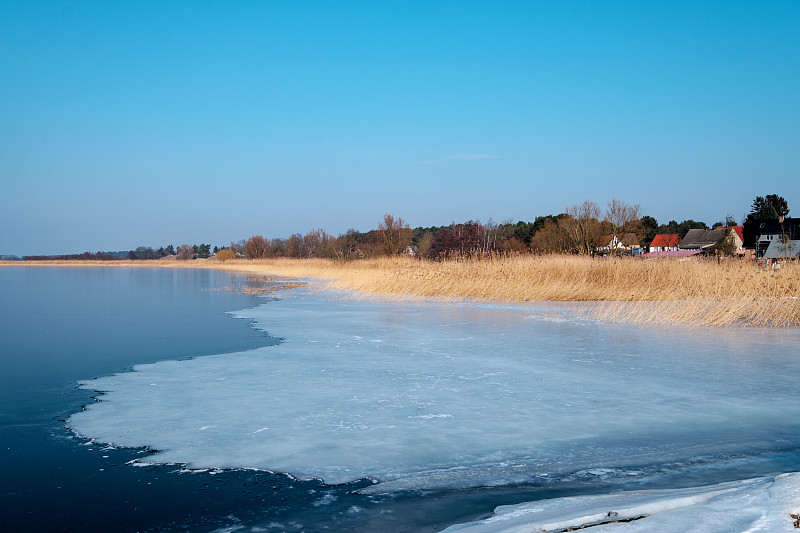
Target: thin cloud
{"type": "Point", "coordinates": [473, 156]}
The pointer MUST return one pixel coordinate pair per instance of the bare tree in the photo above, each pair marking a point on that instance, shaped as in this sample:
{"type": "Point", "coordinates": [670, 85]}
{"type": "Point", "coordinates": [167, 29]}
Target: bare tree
{"type": "Point", "coordinates": [395, 234]}
{"type": "Point", "coordinates": [312, 243]}
{"type": "Point", "coordinates": [726, 246]}
{"type": "Point", "coordinates": [255, 247]}
{"type": "Point", "coordinates": [623, 217]}
{"type": "Point", "coordinates": [490, 237]}
{"type": "Point", "coordinates": [238, 248]}
{"type": "Point", "coordinates": [294, 245]}
{"type": "Point", "coordinates": [582, 226]}
{"type": "Point", "coordinates": [185, 252]}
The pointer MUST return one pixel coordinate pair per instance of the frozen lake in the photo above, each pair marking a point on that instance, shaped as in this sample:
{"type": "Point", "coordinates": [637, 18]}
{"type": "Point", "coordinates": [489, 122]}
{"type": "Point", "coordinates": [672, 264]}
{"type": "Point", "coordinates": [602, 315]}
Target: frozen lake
{"type": "Point", "coordinates": [394, 399]}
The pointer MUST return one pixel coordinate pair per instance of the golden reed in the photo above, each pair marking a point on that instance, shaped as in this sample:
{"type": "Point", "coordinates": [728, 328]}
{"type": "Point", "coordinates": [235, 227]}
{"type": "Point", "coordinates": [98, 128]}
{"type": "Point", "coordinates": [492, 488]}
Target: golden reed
{"type": "Point", "coordinates": [694, 292]}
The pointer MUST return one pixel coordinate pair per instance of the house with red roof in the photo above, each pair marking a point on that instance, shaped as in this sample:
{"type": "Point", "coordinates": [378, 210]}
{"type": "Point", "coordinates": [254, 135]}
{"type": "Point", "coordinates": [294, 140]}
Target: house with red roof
{"type": "Point", "coordinates": [665, 242]}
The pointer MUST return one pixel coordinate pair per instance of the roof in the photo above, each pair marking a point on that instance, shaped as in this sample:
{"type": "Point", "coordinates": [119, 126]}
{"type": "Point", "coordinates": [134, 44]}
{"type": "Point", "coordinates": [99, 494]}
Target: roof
{"type": "Point", "coordinates": [779, 250]}
{"type": "Point", "coordinates": [698, 239]}
{"type": "Point", "coordinates": [628, 240]}
{"type": "Point", "coordinates": [739, 231]}
{"type": "Point", "coordinates": [666, 240]}
{"type": "Point", "coordinates": [604, 240]}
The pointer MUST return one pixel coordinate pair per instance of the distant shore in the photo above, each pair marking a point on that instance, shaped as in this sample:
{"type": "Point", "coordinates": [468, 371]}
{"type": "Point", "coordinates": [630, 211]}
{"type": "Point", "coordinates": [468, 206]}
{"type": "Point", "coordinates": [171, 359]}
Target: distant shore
{"type": "Point", "coordinates": [661, 292]}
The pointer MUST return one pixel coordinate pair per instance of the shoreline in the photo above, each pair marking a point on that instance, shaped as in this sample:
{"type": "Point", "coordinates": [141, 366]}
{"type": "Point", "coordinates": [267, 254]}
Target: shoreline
{"type": "Point", "coordinates": [659, 292]}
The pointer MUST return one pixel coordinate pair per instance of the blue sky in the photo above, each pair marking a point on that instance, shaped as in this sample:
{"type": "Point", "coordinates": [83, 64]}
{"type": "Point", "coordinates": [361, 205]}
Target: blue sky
{"type": "Point", "coordinates": [152, 123]}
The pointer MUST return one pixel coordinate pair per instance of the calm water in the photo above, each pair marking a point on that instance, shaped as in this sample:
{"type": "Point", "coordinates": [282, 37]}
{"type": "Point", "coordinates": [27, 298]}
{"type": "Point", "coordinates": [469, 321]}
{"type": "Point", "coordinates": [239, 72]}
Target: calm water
{"type": "Point", "coordinates": [61, 325]}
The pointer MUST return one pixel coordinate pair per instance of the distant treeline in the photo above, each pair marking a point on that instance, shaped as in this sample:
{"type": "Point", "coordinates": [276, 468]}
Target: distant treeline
{"type": "Point", "coordinates": [577, 231]}
{"type": "Point", "coordinates": [85, 256]}
{"type": "Point", "coordinates": [184, 251]}
{"type": "Point", "coordinates": [562, 233]}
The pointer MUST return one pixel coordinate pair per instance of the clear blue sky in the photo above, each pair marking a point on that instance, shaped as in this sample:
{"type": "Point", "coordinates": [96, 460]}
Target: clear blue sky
{"type": "Point", "coordinates": [152, 123]}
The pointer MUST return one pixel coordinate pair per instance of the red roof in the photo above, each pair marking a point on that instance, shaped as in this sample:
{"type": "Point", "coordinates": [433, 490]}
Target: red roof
{"type": "Point", "coordinates": [665, 240]}
{"type": "Point", "coordinates": [739, 231]}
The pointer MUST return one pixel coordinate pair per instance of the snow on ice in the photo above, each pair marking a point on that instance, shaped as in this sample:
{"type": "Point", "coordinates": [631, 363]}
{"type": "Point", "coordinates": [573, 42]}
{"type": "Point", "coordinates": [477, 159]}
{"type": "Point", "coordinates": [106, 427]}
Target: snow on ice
{"type": "Point", "coordinates": [764, 504]}
{"type": "Point", "coordinates": [430, 395]}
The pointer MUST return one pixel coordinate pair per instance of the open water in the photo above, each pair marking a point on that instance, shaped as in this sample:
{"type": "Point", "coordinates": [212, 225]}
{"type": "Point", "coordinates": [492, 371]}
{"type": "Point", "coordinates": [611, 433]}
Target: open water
{"type": "Point", "coordinates": [60, 325]}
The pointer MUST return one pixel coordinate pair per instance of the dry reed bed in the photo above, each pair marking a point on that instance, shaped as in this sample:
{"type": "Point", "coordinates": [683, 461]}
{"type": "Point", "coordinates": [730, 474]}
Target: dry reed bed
{"type": "Point", "coordinates": [660, 292]}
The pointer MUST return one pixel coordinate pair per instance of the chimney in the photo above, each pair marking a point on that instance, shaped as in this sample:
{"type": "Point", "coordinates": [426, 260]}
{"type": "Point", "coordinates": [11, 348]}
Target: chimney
{"type": "Point", "coordinates": [780, 219]}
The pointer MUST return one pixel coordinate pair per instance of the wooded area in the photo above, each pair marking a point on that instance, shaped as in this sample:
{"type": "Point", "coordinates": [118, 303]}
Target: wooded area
{"type": "Point", "coordinates": [575, 231]}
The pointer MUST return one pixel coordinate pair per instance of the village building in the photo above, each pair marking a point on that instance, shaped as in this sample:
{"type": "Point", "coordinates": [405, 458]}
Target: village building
{"type": "Point", "coordinates": [783, 250]}
{"type": "Point", "coordinates": [779, 230]}
{"type": "Point", "coordinates": [706, 239]}
{"type": "Point", "coordinates": [665, 242]}
{"type": "Point", "coordinates": [627, 244]}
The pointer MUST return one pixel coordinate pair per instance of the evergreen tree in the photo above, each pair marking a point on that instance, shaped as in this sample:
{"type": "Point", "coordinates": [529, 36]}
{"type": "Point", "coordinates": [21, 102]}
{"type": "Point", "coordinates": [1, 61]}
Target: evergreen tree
{"type": "Point", "coordinates": [764, 208]}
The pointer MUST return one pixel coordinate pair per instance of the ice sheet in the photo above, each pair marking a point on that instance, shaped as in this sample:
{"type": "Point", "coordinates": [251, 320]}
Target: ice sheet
{"type": "Point", "coordinates": [765, 504]}
{"type": "Point", "coordinates": [424, 395]}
